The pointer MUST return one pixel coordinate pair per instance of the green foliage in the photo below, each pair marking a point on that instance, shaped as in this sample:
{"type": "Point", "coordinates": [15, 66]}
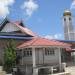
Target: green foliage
{"type": "Point", "coordinates": [1, 63]}
{"type": "Point", "coordinates": [9, 56]}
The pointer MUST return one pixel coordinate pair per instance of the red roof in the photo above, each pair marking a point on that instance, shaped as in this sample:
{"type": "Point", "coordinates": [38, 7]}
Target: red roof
{"type": "Point", "coordinates": [42, 42]}
{"type": "Point", "coordinates": [25, 30]}
{"type": "Point", "coordinates": [17, 23]}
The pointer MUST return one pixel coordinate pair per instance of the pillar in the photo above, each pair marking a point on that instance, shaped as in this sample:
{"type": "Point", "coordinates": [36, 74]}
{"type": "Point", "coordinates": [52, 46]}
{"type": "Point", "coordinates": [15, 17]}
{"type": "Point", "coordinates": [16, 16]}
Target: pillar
{"type": "Point", "coordinates": [59, 52]}
{"type": "Point", "coordinates": [51, 70]}
{"type": "Point", "coordinates": [35, 70]}
{"type": "Point", "coordinates": [33, 57]}
{"type": "Point", "coordinates": [22, 57]}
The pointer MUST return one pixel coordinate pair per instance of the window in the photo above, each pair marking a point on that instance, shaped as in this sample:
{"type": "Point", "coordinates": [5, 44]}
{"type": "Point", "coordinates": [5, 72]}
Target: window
{"type": "Point", "coordinates": [64, 19]}
{"type": "Point", "coordinates": [18, 52]}
{"type": "Point", "coordinates": [28, 52]}
{"type": "Point", "coordinates": [49, 51]}
{"type": "Point", "coordinates": [69, 18]}
{"type": "Point", "coordinates": [39, 48]}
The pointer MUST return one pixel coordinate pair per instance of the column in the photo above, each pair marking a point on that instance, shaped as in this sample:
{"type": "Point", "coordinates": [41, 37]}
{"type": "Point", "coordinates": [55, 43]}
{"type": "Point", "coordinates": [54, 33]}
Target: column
{"type": "Point", "coordinates": [51, 70]}
{"type": "Point", "coordinates": [22, 57]}
{"type": "Point", "coordinates": [59, 52]}
{"type": "Point", "coordinates": [43, 51]}
{"type": "Point", "coordinates": [33, 57]}
{"type": "Point", "coordinates": [35, 71]}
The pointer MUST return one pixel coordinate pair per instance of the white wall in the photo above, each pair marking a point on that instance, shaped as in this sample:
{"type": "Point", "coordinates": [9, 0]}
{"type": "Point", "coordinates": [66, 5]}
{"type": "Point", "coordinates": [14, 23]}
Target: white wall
{"type": "Point", "coordinates": [9, 27]}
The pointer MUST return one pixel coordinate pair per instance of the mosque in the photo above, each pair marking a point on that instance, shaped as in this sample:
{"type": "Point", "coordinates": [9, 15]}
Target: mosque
{"type": "Point", "coordinates": [36, 53]}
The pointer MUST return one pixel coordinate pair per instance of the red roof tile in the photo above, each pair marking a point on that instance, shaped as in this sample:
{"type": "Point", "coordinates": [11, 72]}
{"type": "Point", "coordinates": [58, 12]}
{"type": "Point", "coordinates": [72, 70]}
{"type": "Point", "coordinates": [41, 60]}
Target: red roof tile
{"type": "Point", "coordinates": [42, 42]}
{"type": "Point", "coordinates": [17, 23]}
{"type": "Point", "coordinates": [25, 30]}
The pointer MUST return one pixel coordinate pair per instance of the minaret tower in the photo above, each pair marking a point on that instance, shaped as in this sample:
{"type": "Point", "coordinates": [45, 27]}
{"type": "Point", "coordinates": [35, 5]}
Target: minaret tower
{"type": "Point", "coordinates": [68, 27]}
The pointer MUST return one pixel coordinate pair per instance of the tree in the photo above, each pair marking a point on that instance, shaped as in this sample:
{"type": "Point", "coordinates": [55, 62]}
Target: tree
{"type": "Point", "coordinates": [9, 56]}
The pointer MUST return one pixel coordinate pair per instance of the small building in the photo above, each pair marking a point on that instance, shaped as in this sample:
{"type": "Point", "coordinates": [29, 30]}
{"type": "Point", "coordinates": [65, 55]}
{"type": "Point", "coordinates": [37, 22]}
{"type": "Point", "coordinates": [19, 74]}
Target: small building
{"type": "Point", "coordinates": [13, 30]}
{"type": "Point", "coordinates": [36, 53]}
{"type": "Point", "coordinates": [39, 54]}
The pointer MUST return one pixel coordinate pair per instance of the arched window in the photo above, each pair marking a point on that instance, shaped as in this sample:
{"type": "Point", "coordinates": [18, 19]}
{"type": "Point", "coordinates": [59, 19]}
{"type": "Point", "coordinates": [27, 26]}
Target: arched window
{"type": "Point", "coordinates": [69, 18]}
{"type": "Point", "coordinates": [64, 19]}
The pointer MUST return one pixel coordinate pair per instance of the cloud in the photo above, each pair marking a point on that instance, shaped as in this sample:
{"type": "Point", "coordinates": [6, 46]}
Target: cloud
{"type": "Point", "coordinates": [4, 7]}
{"type": "Point", "coordinates": [56, 36]}
{"type": "Point", "coordinates": [30, 7]}
{"type": "Point", "coordinates": [73, 5]}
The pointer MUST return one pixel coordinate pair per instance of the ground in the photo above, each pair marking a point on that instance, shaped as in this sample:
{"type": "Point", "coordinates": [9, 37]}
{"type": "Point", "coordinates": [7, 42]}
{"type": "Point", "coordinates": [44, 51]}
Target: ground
{"type": "Point", "coordinates": [71, 68]}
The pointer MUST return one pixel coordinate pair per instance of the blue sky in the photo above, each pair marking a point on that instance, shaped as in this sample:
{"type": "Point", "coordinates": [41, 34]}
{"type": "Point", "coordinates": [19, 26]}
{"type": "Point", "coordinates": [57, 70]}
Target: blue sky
{"type": "Point", "coordinates": [43, 17]}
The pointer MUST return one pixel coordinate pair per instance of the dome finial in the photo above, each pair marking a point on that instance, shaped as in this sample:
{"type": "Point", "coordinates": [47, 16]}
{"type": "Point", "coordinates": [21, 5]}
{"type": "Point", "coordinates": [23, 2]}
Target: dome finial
{"type": "Point", "coordinates": [67, 13]}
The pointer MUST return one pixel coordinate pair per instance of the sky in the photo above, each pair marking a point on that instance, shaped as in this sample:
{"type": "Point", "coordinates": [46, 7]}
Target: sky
{"type": "Point", "coordinates": [44, 17]}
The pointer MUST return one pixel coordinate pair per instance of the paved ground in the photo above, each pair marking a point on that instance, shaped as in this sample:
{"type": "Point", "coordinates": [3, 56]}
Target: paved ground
{"type": "Point", "coordinates": [71, 69]}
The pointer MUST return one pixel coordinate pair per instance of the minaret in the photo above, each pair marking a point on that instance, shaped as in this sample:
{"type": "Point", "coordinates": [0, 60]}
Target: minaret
{"type": "Point", "coordinates": [68, 27]}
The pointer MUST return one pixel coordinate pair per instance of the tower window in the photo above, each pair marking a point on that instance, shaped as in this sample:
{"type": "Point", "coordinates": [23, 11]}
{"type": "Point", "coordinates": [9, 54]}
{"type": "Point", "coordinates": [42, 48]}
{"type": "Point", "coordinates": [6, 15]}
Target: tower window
{"type": "Point", "coordinates": [64, 19]}
{"type": "Point", "coordinates": [69, 18]}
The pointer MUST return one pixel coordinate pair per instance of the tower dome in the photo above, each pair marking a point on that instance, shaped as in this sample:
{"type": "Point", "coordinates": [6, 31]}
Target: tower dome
{"type": "Point", "coordinates": [67, 13]}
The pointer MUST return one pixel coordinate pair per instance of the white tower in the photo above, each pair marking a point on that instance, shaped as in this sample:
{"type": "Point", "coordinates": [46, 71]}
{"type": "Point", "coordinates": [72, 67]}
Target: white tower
{"type": "Point", "coordinates": [68, 27]}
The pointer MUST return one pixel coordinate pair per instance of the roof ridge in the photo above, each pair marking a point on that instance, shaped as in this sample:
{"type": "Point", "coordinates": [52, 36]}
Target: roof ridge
{"type": "Point", "coordinates": [33, 40]}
